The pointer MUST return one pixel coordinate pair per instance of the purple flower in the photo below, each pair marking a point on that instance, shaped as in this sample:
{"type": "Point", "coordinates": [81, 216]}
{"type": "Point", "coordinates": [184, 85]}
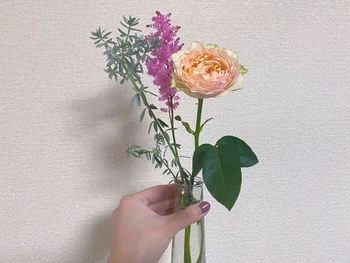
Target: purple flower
{"type": "Point", "coordinates": [161, 65]}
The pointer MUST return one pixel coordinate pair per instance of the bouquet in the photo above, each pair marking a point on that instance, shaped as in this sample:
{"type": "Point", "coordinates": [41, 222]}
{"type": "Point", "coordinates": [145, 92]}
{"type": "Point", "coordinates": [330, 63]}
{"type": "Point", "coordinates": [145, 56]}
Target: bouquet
{"type": "Point", "coordinates": [201, 71]}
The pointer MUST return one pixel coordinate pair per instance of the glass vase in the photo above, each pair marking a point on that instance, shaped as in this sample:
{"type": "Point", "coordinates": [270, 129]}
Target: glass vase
{"type": "Point", "coordinates": [188, 245]}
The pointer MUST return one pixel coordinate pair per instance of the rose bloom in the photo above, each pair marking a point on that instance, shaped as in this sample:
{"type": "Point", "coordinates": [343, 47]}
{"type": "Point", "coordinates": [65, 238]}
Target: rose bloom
{"type": "Point", "coordinates": [205, 71]}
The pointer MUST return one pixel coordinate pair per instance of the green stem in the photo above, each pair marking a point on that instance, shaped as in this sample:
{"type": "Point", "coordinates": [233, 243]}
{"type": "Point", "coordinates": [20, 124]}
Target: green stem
{"type": "Point", "coordinates": [196, 142]}
{"type": "Point", "coordinates": [169, 169]}
{"type": "Point", "coordinates": [199, 260]}
{"type": "Point", "coordinates": [198, 123]}
{"type": "Point", "coordinates": [198, 128]}
{"type": "Point", "coordinates": [171, 112]}
{"type": "Point", "coordinates": [187, 254]}
{"type": "Point", "coordinates": [187, 248]}
{"type": "Point", "coordinates": [171, 117]}
{"type": "Point", "coordinates": [127, 34]}
{"type": "Point", "coordinates": [145, 102]}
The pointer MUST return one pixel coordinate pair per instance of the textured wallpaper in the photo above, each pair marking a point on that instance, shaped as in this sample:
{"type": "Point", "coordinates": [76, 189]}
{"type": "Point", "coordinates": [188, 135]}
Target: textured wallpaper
{"type": "Point", "coordinates": [64, 128]}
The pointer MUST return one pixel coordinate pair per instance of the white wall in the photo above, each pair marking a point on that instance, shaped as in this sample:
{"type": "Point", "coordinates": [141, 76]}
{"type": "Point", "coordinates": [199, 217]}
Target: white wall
{"type": "Point", "coordinates": [64, 129]}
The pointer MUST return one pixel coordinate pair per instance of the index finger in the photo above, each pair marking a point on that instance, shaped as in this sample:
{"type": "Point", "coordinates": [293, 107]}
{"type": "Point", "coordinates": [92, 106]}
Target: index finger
{"type": "Point", "coordinates": [157, 193]}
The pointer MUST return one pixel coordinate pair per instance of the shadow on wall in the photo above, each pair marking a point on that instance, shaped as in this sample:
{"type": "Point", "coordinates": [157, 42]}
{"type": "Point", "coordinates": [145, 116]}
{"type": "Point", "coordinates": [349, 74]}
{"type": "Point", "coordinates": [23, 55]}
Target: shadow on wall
{"type": "Point", "coordinates": [99, 239]}
{"type": "Point", "coordinates": [95, 240]}
{"type": "Point", "coordinates": [105, 123]}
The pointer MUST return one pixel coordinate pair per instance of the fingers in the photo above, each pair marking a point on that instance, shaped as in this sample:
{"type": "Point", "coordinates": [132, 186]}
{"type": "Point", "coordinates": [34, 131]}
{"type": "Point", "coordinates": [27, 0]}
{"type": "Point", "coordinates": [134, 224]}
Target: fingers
{"type": "Point", "coordinates": [166, 212]}
{"type": "Point", "coordinates": [157, 193]}
{"type": "Point", "coordinates": [187, 216]}
{"type": "Point", "coordinates": [163, 205]}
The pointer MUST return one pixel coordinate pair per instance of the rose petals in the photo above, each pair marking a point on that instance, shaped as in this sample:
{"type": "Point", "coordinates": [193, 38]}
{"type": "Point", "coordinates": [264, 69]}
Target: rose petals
{"type": "Point", "coordinates": [205, 71]}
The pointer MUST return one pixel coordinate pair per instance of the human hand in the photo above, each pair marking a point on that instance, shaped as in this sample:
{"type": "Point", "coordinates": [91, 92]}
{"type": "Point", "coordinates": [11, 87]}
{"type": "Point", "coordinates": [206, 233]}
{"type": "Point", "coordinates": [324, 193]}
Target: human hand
{"type": "Point", "coordinates": [144, 224]}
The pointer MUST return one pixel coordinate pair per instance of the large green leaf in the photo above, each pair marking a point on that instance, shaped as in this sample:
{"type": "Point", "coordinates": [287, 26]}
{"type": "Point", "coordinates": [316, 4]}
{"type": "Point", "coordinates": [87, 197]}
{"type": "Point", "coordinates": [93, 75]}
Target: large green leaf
{"type": "Point", "coordinates": [221, 172]}
{"type": "Point", "coordinates": [221, 166]}
{"type": "Point", "coordinates": [247, 156]}
{"type": "Point", "coordinates": [198, 158]}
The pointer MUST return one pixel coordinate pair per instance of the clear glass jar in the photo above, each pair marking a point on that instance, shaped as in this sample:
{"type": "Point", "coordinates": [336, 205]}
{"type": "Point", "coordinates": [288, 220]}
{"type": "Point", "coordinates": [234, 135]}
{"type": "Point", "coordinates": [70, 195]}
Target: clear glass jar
{"type": "Point", "coordinates": [188, 245]}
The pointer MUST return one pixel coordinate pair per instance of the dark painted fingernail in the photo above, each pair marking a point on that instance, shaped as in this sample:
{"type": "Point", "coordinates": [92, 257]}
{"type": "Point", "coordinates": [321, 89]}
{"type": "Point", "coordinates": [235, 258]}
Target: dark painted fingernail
{"type": "Point", "coordinates": [204, 206]}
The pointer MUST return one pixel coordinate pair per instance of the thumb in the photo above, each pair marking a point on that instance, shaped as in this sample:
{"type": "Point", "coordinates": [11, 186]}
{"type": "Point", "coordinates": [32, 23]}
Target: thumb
{"type": "Point", "coordinates": [187, 216]}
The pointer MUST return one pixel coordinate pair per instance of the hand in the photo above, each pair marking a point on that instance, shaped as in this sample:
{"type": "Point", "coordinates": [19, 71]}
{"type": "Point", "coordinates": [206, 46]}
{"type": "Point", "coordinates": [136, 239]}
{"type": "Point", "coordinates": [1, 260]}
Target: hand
{"type": "Point", "coordinates": [144, 224]}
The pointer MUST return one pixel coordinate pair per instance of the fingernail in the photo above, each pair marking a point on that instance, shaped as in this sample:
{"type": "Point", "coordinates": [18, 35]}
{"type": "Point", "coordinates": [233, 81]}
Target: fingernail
{"type": "Point", "coordinates": [204, 206]}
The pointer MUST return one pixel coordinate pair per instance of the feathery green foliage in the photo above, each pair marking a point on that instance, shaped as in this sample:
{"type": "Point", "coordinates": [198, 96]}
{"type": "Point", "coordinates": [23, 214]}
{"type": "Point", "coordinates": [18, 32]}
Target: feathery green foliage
{"type": "Point", "coordinates": [125, 55]}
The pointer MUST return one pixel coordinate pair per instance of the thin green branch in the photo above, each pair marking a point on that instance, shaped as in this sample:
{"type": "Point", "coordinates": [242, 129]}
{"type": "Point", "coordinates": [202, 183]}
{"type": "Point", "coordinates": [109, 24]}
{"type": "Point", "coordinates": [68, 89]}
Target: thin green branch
{"type": "Point", "coordinates": [169, 169]}
{"type": "Point", "coordinates": [171, 117]}
{"type": "Point", "coordinates": [122, 61]}
{"type": "Point", "coordinates": [198, 123]}
{"type": "Point", "coordinates": [145, 102]}
{"type": "Point", "coordinates": [196, 139]}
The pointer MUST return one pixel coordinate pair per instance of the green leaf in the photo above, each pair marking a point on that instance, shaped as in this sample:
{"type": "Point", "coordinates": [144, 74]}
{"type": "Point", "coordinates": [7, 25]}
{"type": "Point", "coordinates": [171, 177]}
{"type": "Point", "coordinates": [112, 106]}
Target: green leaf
{"type": "Point", "coordinates": [221, 166]}
{"type": "Point", "coordinates": [138, 99]}
{"type": "Point", "coordinates": [221, 172]}
{"type": "Point", "coordinates": [150, 127]}
{"type": "Point", "coordinates": [166, 136]}
{"type": "Point", "coordinates": [133, 99]}
{"type": "Point", "coordinates": [185, 124]}
{"type": "Point", "coordinates": [243, 70]}
{"type": "Point", "coordinates": [198, 158]}
{"type": "Point", "coordinates": [143, 114]}
{"type": "Point", "coordinates": [134, 29]}
{"type": "Point", "coordinates": [107, 34]}
{"type": "Point", "coordinates": [123, 24]}
{"type": "Point", "coordinates": [187, 127]}
{"type": "Point", "coordinates": [162, 123]}
{"type": "Point", "coordinates": [247, 156]}
{"type": "Point", "coordinates": [205, 123]}
{"type": "Point", "coordinates": [122, 33]}
{"type": "Point", "coordinates": [155, 127]}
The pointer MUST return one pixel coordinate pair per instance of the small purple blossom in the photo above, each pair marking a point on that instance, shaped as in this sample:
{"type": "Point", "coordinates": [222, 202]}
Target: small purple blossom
{"type": "Point", "coordinates": [161, 65]}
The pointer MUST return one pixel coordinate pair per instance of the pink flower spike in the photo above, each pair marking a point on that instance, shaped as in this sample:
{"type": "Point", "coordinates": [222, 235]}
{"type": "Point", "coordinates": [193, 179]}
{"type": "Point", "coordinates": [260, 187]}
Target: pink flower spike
{"type": "Point", "coordinates": [161, 65]}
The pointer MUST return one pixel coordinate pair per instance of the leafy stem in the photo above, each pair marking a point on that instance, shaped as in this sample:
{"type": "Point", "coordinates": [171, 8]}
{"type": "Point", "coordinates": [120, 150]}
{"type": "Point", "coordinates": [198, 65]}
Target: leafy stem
{"type": "Point", "coordinates": [198, 129]}
{"type": "Point", "coordinates": [167, 166]}
{"type": "Point", "coordinates": [187, 253]}
{"type": "Point", "coordinates": [196, 143]}
{"type": "Point", "coordinates": [153, 116]}
{"type": "Point", "coordinates": [153, 155]}
{"type": "Point", "coordinates": [198, 123]}
{"type": "Point", "coordinates": [171, 117]}
{"type": "Point", "coordinates": [125, 57]}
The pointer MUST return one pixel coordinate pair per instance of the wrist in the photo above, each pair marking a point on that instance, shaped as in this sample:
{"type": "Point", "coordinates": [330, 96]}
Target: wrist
{"type": "Point", "coordinates": [112, 259]}
{"type": "Point", "coordinates": [118, 258]}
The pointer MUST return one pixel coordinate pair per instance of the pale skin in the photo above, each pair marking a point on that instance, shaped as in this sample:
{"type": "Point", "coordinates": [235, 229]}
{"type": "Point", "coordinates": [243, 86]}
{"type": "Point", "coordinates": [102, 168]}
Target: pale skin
{"type": "Point", "coordinates": [144, 224]}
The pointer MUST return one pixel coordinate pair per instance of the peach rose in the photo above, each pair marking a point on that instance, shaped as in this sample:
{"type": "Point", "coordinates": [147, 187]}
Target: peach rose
{"type": "Point", "coordinates": [205, 71]}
